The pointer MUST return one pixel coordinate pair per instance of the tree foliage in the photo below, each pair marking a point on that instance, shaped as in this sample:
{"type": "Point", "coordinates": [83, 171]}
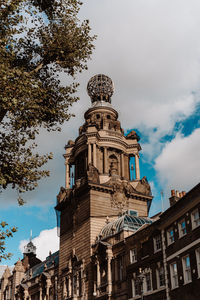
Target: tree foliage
{"type": "Point", "coordinates": [39, 41]}
{"type": "Point", "coordinates": [5, 232]}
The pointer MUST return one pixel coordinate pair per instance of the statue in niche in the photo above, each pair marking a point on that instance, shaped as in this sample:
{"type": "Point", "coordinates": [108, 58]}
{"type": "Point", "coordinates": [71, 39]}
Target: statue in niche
{"type": "Point", "coordinates": [113, 165]}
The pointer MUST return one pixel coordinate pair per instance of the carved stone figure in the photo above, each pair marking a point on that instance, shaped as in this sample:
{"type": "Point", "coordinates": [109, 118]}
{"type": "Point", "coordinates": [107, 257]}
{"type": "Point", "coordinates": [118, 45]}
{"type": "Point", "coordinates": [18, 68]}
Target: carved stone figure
{"type": "Point", "coordinates": [93, 174]}
{"type": "Point", "coordinates": [133, 135]}
{"type": "Point", "coordinates": [143, 187]}
{"type": "Point", "coordinates": [62, 194]}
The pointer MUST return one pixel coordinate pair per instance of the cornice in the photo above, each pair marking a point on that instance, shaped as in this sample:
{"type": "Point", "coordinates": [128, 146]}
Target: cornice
{"type": "Point", "coordinates": [89, 185]}
{"type": "Point", "coordinates": [100, 108]}
{"type": "Point", "coordinates": [81, 140]}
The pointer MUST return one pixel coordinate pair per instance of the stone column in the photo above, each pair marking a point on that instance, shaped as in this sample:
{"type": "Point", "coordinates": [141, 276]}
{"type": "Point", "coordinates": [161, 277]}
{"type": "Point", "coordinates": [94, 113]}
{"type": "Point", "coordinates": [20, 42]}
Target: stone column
{"type": "Point", "coordinates": [48, 284]}
{"type": "Point", "coordinates": [94, 155]}
{"type": "Point", "coordinates": [137, 168]}
{"type": "Point", "coordinates": [98, 278]}
{"type": "Point", "coordinates": [95, 289]}
{"type": "Point", "coordinates": [64, 288]}
{"type": "Point", "coordinates": [122, 164]}
{"type": "Point", "coordinates": [89, 154]}
{"type": "Point", "coordinates": [105, 158]}
{"type": "Point", "coordinates": [67, 178]}
{"type": "Point", "coordinates": [26, 294]}
{"type": "Point", "coordinates": [109, 273]}
{"type": "Point", "coordinates": [40, 293]}
{"type": "Point", "coordinates": [70, 286]}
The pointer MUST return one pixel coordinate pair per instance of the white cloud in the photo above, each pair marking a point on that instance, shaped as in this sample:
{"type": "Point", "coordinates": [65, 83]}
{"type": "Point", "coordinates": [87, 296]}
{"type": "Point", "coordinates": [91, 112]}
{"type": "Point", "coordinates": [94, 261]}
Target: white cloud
{"type": "Point", "coordinates": [178, 164]}
{"type": "Point", "coordinates": [45, 242]}
{"type": "Point", "coordinates": [151, 50]}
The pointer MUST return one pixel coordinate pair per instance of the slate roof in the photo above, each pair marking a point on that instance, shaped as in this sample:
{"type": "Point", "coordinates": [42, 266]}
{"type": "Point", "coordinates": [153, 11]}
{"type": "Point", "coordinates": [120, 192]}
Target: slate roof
{"type": "Point", "coordinates": [51, 260]}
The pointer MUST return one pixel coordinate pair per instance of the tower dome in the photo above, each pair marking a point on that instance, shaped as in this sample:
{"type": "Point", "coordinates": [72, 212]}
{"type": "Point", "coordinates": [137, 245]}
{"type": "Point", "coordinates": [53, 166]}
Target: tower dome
{"type": "Point", "coordinates": [100, 88]}
{"type": "Point", "coordinates": [29, 248]}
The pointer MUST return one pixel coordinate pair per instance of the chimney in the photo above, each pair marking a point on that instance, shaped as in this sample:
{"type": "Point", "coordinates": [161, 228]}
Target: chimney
{"type": "Point", "coordinates": [176, 196]}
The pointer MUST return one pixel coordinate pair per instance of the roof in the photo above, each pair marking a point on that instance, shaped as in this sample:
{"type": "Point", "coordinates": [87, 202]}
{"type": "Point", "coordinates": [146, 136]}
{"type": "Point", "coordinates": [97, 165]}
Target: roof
{"type": "Point", "coordinates": [51, 260]}
{"type": "Point", "coordinates": [125, 222]}
{"type": "Point", "coordinates": [3, 268]}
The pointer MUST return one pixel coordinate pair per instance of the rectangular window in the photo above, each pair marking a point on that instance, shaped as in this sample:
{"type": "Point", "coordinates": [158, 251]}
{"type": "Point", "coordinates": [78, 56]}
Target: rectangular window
{"type": "Point", "coordinates": [174, 275]}
{"type": "Point", "coordinates": [133, 255]}
{"type": "Point", "coordinates": [160, 277]}
{"type": "Point", "coordinates": [148, 285]}
{"type": "Point", "coordinates": [145, 249]}
{"type": "Point", "coordinates": [157, 243]}
{"type": "Point", "coordinates": [120, 267]}
{"type": "Point", "coordinates": [79, 283]}
{"type": "Point", "coordinates": [182, 228]}
{"type": "Point", "coordinates": [66, 290]}
{"type": "Point", "coordinates": [135, 288]}
{"type": "Point", "coordinates": [170, 236]}
{"type": "Point", "coordinates": [198, 260]}
{"type": "Point", "coordinates": [195, 218]}
{"type": "Point", "coordinates": [75, 285]}
{"type": "Point", "coordinates": [186, 269]}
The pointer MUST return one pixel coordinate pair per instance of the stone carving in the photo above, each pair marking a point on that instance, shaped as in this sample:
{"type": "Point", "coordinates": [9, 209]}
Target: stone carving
{"type": "Point", "coordinates": [100, 87]}
{"type": "Point", "coordinates": [93, 174]}
{"type": "Point", "coordinates": [143, 187]}
{"type": "Point", "coordinates": [120, 191]}
{"type": "Point", "coordinates": [62, 194]}
{"type": "Point", "coordinates": [133, 135]}
{"type": "Point", "coordinates": [71, 143]}
{"type": "Point", "coordinates": [119, 199]}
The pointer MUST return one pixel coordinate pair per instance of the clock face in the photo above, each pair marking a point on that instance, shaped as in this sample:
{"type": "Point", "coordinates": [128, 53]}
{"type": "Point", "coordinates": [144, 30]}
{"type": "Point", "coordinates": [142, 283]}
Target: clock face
{"type": "Point", "coordinates": [100, 87]}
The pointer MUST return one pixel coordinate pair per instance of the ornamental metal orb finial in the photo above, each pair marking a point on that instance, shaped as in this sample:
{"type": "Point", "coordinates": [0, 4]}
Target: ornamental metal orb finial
{"type": "Point", "coordinates": [100, 88]}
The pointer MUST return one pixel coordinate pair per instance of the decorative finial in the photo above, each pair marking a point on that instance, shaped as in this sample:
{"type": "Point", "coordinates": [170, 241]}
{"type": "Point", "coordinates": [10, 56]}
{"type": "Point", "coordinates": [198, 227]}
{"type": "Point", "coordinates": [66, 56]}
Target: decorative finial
{"type": "Point", "coordinates": [100, 88]}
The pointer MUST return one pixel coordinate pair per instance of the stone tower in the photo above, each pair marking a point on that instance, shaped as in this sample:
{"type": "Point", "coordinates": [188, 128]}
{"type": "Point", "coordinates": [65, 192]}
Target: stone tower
{"type": "Point", "coordinates": [98, 187]}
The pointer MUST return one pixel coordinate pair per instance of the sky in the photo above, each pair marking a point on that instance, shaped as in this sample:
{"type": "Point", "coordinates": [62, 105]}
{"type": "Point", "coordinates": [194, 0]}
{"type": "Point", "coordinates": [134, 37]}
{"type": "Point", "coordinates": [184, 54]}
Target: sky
{"type": "Point", "coordinates": [151, 50]}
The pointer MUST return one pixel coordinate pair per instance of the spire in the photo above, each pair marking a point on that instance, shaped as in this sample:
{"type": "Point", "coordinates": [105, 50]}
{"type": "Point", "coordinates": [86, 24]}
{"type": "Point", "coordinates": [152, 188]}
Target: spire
{"type": "Point", "coordinates": [6, 273]}
{"type": "Point", "coordinates": [30, 247]}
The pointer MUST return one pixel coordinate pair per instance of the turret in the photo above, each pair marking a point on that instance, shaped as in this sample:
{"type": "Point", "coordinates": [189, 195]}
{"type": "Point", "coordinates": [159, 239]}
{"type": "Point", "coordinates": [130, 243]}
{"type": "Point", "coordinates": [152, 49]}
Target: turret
{"type": "Point", "coordinates": [29, 253]}
{"type": "Point", "coordinates": [101, 142]}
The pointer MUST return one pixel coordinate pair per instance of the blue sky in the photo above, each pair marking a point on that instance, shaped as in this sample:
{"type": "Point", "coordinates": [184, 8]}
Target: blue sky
{"type": "Point", "coordinates": [151, 50]}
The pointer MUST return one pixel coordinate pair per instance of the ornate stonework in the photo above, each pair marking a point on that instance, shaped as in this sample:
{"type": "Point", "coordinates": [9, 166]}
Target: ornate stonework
{"type": "Point", "coordinates": [100, 188]}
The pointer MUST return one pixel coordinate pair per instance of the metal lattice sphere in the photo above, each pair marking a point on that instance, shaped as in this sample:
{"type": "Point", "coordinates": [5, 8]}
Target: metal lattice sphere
{"type": "Point", "coordinates": [100, 88]}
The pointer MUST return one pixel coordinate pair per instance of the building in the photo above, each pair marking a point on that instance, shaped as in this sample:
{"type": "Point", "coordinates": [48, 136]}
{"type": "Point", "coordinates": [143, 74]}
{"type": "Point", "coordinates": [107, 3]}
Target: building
{"type": "Point", "coordinates": [162, 260]}
{"type": "Point", "coordinates": [30, 278]}
{"type": "Point", "coordinates": [109, 247]}
{"type": "Point", "coordinates": [98, 189]}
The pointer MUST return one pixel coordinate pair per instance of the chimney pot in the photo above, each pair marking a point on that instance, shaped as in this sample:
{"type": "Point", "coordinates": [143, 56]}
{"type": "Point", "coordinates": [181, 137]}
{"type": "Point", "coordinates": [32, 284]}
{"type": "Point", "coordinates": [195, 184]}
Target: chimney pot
{"type": "Point", "coordinates": [172, 193]}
